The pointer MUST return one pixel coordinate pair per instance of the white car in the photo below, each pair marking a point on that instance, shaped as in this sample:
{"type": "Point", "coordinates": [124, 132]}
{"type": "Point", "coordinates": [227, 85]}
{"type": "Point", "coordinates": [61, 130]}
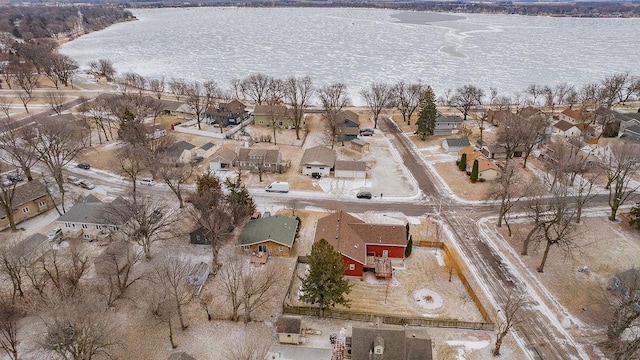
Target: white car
{"type": "Point", "coordinates": [55, 234]}
{"type": "Point", "coordinates": [87, 184]}
{"type": "Point", "coordinates": [74, 180]}
{"type": "Point", "coordinates": [147, 181]}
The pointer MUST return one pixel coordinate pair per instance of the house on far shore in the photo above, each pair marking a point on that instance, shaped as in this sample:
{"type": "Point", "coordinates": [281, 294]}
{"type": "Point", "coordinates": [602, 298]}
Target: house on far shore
{"type": "Point", "coordinates": [363, 246]}
{"type": "Point", "coordinates": [455, 145]}
{"type": "Point", "coordinates": [223, 159]}
{"type": "Point", "coordinates": [271, 235]}
{"type": "Point", "coordinates": [29, 200]}
{"type": "Point", "coordinates": [446, 124]}
{"type": "Point", "coordinates": [348, 126]}
{"type": "Point", "coordinates": [318, 159]}
{"type": "Point", "coordinates": [289, 330]}
{"type": "Point", "coordinates": [382, 342]}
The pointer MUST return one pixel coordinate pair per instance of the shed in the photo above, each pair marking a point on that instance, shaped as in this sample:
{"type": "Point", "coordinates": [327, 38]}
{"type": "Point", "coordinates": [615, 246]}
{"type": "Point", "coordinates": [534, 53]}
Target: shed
{"type": "Point", "coordinates": [351, 169]}
{"type": "Point", "coordinates": [206, 150]}
{"type": "Point", "coordinates": [198, 236]}
{"type": "Point", "coordinates": [289, 330]}
{"type": "Point", "coordinates": [359, 145]}
{"type": "Point", "coordinates": [455, 145]}
{"type": "Point", "coordinates": [199, 275]}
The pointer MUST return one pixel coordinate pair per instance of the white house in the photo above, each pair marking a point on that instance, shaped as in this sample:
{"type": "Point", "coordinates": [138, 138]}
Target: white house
{"type": "Point", "coordinates": [350, 169]}
{"type": "Point", "coordinates": [566, 129]}
{"type": "Point", "coordinates": [182, 151]}
{"type": "Point", "coordinates": [91, 217]}
{"type": "Point", "coordinates": [223, 159]}
{"type": "Point", "coordinates": [318, 159]}
{"type": "Point", "coordinates": [206, 150]}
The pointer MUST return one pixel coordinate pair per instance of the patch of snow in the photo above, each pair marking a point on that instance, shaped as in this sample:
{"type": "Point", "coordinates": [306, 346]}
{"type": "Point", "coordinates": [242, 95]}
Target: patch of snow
{"type": "Point", "coordinates": [428, 299]}
{"type": "Point", "coordinates": [471, 345]}
{"type": "Point", "coordinates": [414, 220]}
{"type": "Point", "coordinates": [438, 254]}
{"type": "Point", "coordinates": [370, 278]}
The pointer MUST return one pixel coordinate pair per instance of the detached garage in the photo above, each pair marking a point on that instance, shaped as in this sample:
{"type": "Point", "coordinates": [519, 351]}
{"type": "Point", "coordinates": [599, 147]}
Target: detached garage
{"type": "Point", "coordinates": [351, 169]}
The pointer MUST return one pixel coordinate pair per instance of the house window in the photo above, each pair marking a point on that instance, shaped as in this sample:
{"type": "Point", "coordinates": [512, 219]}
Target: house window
{"type": "Point", "coordinates": [352, 267]}
{"type": "Point", "coordinates": [280, 248]}
{"type": "Point", "coordinates": [42, 203]}
{"type": "Point", "coordinates": [309, 167]}
{"type": "Point", "coordinates": [321, 168]}
{"type": "Point", "coordinates": [84, 226]}
{"type": "Point", "coordinates": [25, 209]}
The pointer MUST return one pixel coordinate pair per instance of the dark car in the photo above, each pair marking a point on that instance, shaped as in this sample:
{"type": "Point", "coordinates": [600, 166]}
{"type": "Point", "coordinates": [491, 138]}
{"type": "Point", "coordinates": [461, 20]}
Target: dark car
{"type": "Point", "coordinates": [84, 166]}
{"type": "Point", "coordinates": [316, 175]}
{"type": "Point", "coordinates": [364, 195]}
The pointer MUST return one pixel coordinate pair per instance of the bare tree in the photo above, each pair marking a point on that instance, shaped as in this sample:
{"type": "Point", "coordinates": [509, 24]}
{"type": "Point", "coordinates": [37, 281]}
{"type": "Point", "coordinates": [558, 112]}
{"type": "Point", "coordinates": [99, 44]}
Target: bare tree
{"type": "Point", "coordinates": [174, 174]}
{"type": "Point", "coordinates": [178, 88]}
{"type": "Point", "coordinates": [5, 106]}
{"type": "Point", "coordinates": [157, 86]}
{"type": "Point", "coordinates": [534, 91]}
{"type": "Point", "coordinates": [172, 274]}
{"type": "Point", "coordinates": [273, 99]}
{"type": "Point", "coordinates": [625, 316]}
{"type": "Point", "coordinates": [298, 92]}
{"type": "Point", "coordinates": [407, 98]}
{"type": "Point", "coordinates": [256, 87]}
{"type": "Point", "coordinates": [557, 226]}
{"type": "Point", "coordinates": [230, 275]}
{"type": "Point", "coordinates": [160, 306]}
{"type": "Point", "coordinates": [65, 269]}
{"type": "Point", "coordinates": [200, 96]}
{"type": "Point", "coordinates": [507, 191]}
{"type": "Point", "coordinates": [7, 194]}
{"type": "Point", "coordinates": [509, 317]}
{"type": "Point", "coordinates": [614, 89]}
{"type": "Point", "coordinates": [583, 191]}
{"type": "Point", "coordinates": [55, 100]}
{"type": "Point", "coordinates": [80, 330]}
{"type": "Point", "coordinates": [24, 97]}
{"type": "Point", "coordinates": [10, 314]}
{"type": "Point", "coordinates": [117, 268]}
{"type": "Point", "coordinates": [10, 267]}
{"type": "Point", "coordinates": [378, 97]}
{"type": "Point", "coordinates": [620, 166]}
{"type": "Point", "coordinates": [257, 288]}
{"type": "Point", "coordinates": [205, 300]}
{"type": "Point", "coordinates": [103, 68]}
{"type": "Point", "coordinates": [466, 98]}
{"type": "Point", "coordinates": [59, 143]}
{"type": "Point", "coordinates": [255, 350]}
{"type": "Point", "coordinates": [333, 99]}
{"type": "Point", "coordinates": [132, 162]}
{"type": "Point", "coordinates": [60, 69]}
{"type": "Point", "coordinates": [532, 130]}
{"type": "Point", "coordinates": [26, 78]}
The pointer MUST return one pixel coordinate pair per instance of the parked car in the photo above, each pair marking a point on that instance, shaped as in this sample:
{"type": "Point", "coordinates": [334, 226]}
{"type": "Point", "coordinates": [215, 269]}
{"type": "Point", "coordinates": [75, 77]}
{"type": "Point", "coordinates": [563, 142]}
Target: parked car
{"type": "Point", "coordinates": [74, 180]}
{"type": "Point", "coordinates": [55, 234]}
{"type": "Point", "coordinates": [256, 215]}
{"type": "Point", "coordinates": [87, 184]}
{"type": "Point", "coordinates": [364, 195]}
{"type": "Point", "coordinates": [266, 214]}
{"type": "Point", "coordinates": [14, 178]}
{"type": "Point", "coordinates": [316, 175]}
{"type": "Point", "coordinates": [278, 186]}
{"type": "Point", "coordinates": [366, 132]}
{"type": "Point", "coordinates": [84, 166]}
{"type": "Point", "coordinates": [147, 181]}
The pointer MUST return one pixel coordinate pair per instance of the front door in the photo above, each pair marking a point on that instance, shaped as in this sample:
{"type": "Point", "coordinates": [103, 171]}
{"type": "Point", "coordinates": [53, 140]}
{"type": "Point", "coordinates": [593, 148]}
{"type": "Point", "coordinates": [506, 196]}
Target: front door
{"type": "Point", "coordinates": [385, 253]}
{"type": "Point", "coordinates": [262, 248]}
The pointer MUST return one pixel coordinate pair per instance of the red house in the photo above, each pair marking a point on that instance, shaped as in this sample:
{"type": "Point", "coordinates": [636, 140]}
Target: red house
{"type": "Point", "coordinates": [364, 247]}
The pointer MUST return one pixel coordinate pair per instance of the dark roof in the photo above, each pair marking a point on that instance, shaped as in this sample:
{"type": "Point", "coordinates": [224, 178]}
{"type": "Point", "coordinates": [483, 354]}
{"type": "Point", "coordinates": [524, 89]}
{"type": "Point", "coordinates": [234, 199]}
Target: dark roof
{"type": "Point", "coordinates": [27, 192]}
{"type": "Point", "coordinates": [278, 228]}
{"type": "Point", "coordinates": [563, 125]}
{"type": "Point", "coordinates": [277, 110]}
{"type": "Point", "coordinates": [180, 356]}
{"type": "Point", "coordinates": [458, 142]}
{"type": "Point", "coordinates": [398, 344]}
{"type": "Point", "coordinates": [289, 325]}
{"type": "Point", "coordinates": [270, 156]}
{"type": "Point", "coordinates": [359, 142]}
{"type": "Point", "coordinates": [207, 146]}
{"type": "Point", "coordinates": [90, 210]}
{"type": "Point", "coordinates": [178, 148]}
{"type": "Point", "coordinates": [318, 155]}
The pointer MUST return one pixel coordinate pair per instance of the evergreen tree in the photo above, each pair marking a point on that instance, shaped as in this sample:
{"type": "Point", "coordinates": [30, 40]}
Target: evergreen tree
{"type": "Point", "coordinates": [407, 250]}
{"type": "Point", "coordinates": [427, 116]}
{"type": "Point", "coordinates": [474, 171]}
{"type": "Point", "coordinates": [407, 226]}
{"type": "Point", "coordinates": [325, 284]}
{"type": "Point", "coordinates": [635, 217]}
{"type": "Point", "coordinates": [462, 165]}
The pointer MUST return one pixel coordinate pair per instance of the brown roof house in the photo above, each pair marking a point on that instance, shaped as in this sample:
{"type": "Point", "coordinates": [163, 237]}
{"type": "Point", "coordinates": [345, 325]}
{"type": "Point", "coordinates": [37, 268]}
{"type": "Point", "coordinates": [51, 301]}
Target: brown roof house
{"type": "Point", "coordinates": [259, 159]}
{"type": "Point", "coordinates": [223, 159]}
{"type": "Point", "coordinates": [574, 116]}
{"type": "Point", "coordinates": [280, 115]}
{"type": "Point", "coordinates": [289, 330]}
{"type": "Point", "coordinates": [271, 235]}
{"type": "Point", "coordinates": [497, 117]}
{"type": "Point", "coordinates": [487, 170]}
{"type": "Point", "coordinates": [29, 200]}
{"type": "Point", "coordinates": [566, 129]}
{"type": "Point", "coordinates": [318, 160]}
{"type": "Point", "coordinates": [382, 343]}
{"type": "Point", "coordinates": [363, 246]}
{"type": "Point", "coordinates": [350, 169]}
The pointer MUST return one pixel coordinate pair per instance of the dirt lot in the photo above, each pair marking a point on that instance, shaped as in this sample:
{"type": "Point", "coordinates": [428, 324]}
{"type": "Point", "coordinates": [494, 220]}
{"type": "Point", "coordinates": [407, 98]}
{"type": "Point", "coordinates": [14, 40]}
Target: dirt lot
{"type": "Point", "coordinates": [598, 248]}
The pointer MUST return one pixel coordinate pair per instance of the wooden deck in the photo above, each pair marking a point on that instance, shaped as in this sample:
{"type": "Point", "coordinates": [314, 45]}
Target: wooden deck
{"type": "Point", "coordinates": [259, 259]}
{"type": "Point", "coordinates": [383, 268]}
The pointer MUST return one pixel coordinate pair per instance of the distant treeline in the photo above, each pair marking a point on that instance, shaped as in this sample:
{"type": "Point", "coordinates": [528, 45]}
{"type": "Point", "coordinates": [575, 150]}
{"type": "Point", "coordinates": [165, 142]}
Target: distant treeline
{"type": "Point", "coordinates": [578, 9]}
{"type": "Point", "coordinates": [37, 22]}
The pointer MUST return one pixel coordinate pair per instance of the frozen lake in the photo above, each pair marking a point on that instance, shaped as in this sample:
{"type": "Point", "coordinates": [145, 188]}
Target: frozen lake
{"type": "Point", "coordinates": [358, 46]}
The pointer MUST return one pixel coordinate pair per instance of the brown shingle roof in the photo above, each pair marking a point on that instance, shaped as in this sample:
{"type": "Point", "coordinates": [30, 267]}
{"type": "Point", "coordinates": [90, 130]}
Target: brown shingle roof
{"type": "Point", "coordinates": [575, 114]}
{"type": "Point", "coordinates": [289, 325]}
{"type": "Point", "coordinates": [318, 155]}
{"type": "Point", "coordinates": [278, 110]}
{"type": "Point", "coordinates": [563, 125]}
{"type": "Point", "coordinates": [25, 193]}
{"type": "Point", "coordinates": [349, 115]}
{"type": "Point", "coordinates": [350, 235]}
{"type": "Point", "coordinates": [351, 165]}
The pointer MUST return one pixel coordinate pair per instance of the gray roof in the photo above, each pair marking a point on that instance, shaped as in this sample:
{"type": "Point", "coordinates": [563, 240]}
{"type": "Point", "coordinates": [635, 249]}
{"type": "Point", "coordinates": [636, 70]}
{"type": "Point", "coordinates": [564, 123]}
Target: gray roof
{"type": "Point", "coordinates": [278, 228]}
{"type": "Point", "coordinates": [633, 128]}
{"type": "Point", "coordinates": [270, 155]}
{"type": "Point", "coordinates": [635, 115]}
{"type": "Point", "coordinates": [318, 155]}
{"type": "Point", "coordinates": [442, 118]}
{"type": "Point", "coordinates": [224, 155]}
{"type": "Point", "coordinates": [563, 125]}
{"type": "Point", "coordinates": [27, 192]}
{"type": "Point", "coordinates": [349, 115]}
{"type": "Point", "coordinates": [351, 165]}
{"type": "Point", "coordinates": [399, 344]}
{"type": "Point", "coordinates": [289, 325]}
{"type": "Point", "coordinates": [277, 110]}
{"type": "Point", "coordinates": [178, 148]}
{"type": "Point", "coordinates": [207, 146]}
{"type": "Point", "coordinates": [91, 211]}
{"type": "Point", "coordinates": [31, 248]}
{"type": "Point", "coordinates": [297, 352]}
{"type": "Point", "coordinates": [359, 142]}
{"type": "Point", "coordinates": [458, 142]}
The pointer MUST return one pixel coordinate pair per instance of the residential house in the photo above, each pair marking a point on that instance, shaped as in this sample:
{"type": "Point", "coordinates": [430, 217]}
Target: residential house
{"type": "Point", "coordinates": [487, 169]}
{"type": "Point", "coordinates": [630, 129]}
{"type": "Point", "coordinates": [574, 116]}
{"type": "Point", "coordinates": [348, 126]}
{"type": "Point", "coordinates": [29, 200]}
{"type": "Point", "coordinates": [627, 284]}
{"type": "Point", "coordinates": [170, 107]}
{"type": "Point", "coordinates": [181, 151]}
{"type": "Point", "coordinates": [471, 154]}
{"type": "Point", "coordinates": [155, 132]}
{"type": "Point", "coordinates": [226, 114]}
{"type": "Point", "coordinates": [609, 121]}
{"type": "Point", "coordinates": [91, 217]}
{"type": "Point", "coordinates": [386, 343]}
{"type": "Point", "coordinates": [199, 236]}
{"type": "Point", "coordinates": [289, 330]}
{"type": "Point", "coordinates": [350, 169]}
{"type": "Point", "coordinates": [272, 235]}
{"type": "Point", "coordinates": [318, 160]}
{"type": "Point", "coordinates": [223, 159]}
{"type": "Point", "coordinates": [364, 247]}
{"type": "Point", "coordinates": [294, 352]}
{"type": "Point", "coordinates": [205, 150]}
{"type": "Point", "coordinates": [31, 248]}
{"type": "Point", "coordinates": [259, 159]}
{"type": "Point", "coordinates": [445, 124]}
{"type": "Point", "coordinates": [498, 117]}
{"type": "Point", "coordinates": [494, 151]}
{"type": "Point", "coordinates": [528, 112]}
{"type": "Point", "coordinates": [280, 115]}
{"type": "Point", "coordinates": [359, 145]}
{"type": "Point", "coordinates": [455, 145]}
{"type": "Point", "coordinates": [566, 129]}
